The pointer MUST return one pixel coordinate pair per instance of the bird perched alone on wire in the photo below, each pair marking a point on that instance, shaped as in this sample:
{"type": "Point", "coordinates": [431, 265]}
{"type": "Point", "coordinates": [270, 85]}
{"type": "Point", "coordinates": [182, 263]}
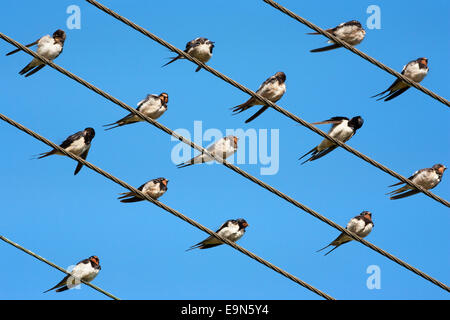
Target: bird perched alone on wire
{"type": "Point", "coordinates": [154, 188]}
{"type": "Point", "coordinates": [361, 225]}
{"type": "Point", "coordinates": [231, 230]}
{"type": "Point", "coordinates": [85, 270]}
{"type": "Point", "coordinates": [351, 32]}
{"type": "Point", "coordinates": [48, 47]}
{"type": "Point", "coordinates": [152, 106]}
{"type": "Point", "coordinates": [272, 89]}
{"type": "Point", "coordinates": [427, 178]}
{"type": "Point", "coordinates": [342, 130]}
{"type": "Point", "coordinates": [199, 48]}
{"type": "Point", "coordinates": [79, 144]}
{"type": "Point", "coordinates": [415, 70]}
{"type": "Point", "coordinates": [223, 148]}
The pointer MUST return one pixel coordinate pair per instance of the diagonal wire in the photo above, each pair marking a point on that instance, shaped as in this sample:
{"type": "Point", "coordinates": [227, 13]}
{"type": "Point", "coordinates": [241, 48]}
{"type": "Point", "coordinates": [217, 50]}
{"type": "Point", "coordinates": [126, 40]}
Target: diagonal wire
{"type": "Point", "coordinates": [164, 207]}
{"type": "Point", "coordinates": [358, 52]}
{"type": "Point", "coordinates": [18, 246]}
{"type": "Point", "coordinates": [230, 166]}
{"type": "Point", "coordinates": [269, 103]}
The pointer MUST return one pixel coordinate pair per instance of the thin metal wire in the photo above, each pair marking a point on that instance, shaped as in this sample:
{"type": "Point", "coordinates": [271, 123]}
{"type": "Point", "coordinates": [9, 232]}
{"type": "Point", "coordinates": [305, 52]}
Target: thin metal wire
{"type": "Point", "coordinates": [358, 52]}
{"type": "Point", "coordinates": [165, 207]}
{"type": "Point", "coordinates": [18, 246]}
{"type": "Point", "coordinates": [267, 102]}
{"type": "Point", "coordinates": [232, 167]}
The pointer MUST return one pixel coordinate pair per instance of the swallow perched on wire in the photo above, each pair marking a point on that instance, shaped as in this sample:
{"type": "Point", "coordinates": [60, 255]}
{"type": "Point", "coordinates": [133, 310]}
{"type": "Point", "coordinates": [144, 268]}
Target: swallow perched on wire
{"type": "Point", "coordinates": [152, 106]}
{"type": "Point", "coordinates": [231, 230]}
{"type": "Point", "coordinates": [351, 32]}
{"type": "Point", "coordinates": [361, 225]}
{"type": "Point", "coordinates": [342, 130]}
{"type": "Point", "coordinates": [48, 47]}
{"type": "Point", "coordinates": [223, 148]}
{"type": "Point", "coordinates": [272, 89]}
{"type": "Point", "coordinates": [199, 48]}
{"type": "Point", "coordinates": [79, 144]}
{"type": "Point", "coordinates": [415, 70]}
{"type": "Point", "coordinates": [85, 270]}
{"type": "Point", "coordinates": [154, 188]}
{"type": "Point", "coordinates": [427, 178]}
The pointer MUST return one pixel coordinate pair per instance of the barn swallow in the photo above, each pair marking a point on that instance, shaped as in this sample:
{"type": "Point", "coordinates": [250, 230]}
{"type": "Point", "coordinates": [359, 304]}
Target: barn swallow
{"type": "Point", "coordinates": [343, 129]}
{"type": "Point", "coordinates": [78, 143]}
{"type": "Point", "coordinates": [272, 89]}
{"type": "Point", "coordinates": [361, 225]}
{"type": "Point", "coordinates": [152, 106]}
{"type": "Point", "coordinates": [427, 178]}
{"type": "Point", "coordinates": [48, 47]}
{"type": "Point", "coordinates": [415, 70]}
{"type": "Point", "coordinates": [154, 189]}
{"type": "Point", "coordinates": [231, 230]}
{"type": "Point", "coordinates": [199, 48]}
{"type": "Point", "coordinates": [223, 148]}
{"type": "Point", "coordinates": [85, 270]}
{"type": "Point", "coordinates": [351, 32]}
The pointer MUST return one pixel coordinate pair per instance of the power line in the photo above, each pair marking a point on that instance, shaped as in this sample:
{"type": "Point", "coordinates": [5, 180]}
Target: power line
{"type": "Point", "coordinates": [55, 266]}
{"type": "Point", "coordinates": [358, 52]}
{"type": "Point", "coordinates": [164, 207]}
{"type": "Point", "coordinates": [269, 103]}
{"type": "Point", "coordinates": [232, 167]}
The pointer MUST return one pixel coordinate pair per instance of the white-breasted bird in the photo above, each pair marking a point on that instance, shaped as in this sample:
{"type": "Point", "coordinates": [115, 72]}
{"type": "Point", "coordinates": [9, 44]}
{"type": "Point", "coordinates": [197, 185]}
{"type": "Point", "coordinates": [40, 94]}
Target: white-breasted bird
{"type": "Point", "coordinates": [199, 48]}
{"type": "Point", "coordinates": [272, 89]}
{"type": "Point", "coordinates": [231, 230]}
{"type": "Point", "coordinates": [222, 148]}
{"type": "Point", "coordinates": [49, 47]}
{"type": "Point", "coordinates": [415, 70]}
{"type": "Point", "coordinates": [153, 106]}
{"type": "Point", "coordinates": [154, 188]}
{"type": "Point", "coordinates": [351, 32]}
{"type": "Point", "coordinates": [361, 225]}
{"type": "Point", "coordinates": [85, 270]}
{"type": "Point", "coordinates": [427, 178]}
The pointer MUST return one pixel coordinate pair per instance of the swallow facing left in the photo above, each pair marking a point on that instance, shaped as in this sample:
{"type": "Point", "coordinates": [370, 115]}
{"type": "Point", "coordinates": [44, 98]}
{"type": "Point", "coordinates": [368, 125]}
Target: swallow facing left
{"type": "Point", "coordinates": [223, 148]}
{"type": "Point", "coordinates": [85, 270]}
{"type": "Point", "coordinates": [415, 70]}
{"type": "Point", "coordinates": [199, 48]}
{"type": "Point", "coordinates": [361, 225]}
{"type": "Point", "coordinates": [78, 143]}
{"type": "Point", "coordinates": [154, 188]}
{"type": "Point", "coordinates": [427, 178]}
{"type": "Point", "coordinates": [343, 129]}
{"type": "Point", "coordinates": [272, 89]}
{"type": "Point", "coordinates": [152, 106]}
{"type": "Point", "coordinates": [231, 230]}
{"type": "Point", "coordinates": [351, 32]}
{"type": "Point", "coordinates": [48, 47]}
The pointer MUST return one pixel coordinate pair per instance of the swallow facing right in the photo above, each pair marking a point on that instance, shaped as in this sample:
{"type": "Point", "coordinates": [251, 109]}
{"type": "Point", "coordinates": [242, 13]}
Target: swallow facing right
{"type": "Point", "coordinates": [231, 230]}
{"type": "Point", "coordinates": [427, 178]}
{"type": "Point", "coordinates": [272, 89]}
{"type": "Point", "coordinates": [48, 47]}
{"type": "Point", "coordinates": [152, 106]}
{"type": "Point", "coordinates": [361, 225]}
{"type": "Point", "coordinates": [85, 270]}
{"type": "Point", "coordinates": [343, 129]}
{"type": "Point", "coordinates": [78, 143]}
{"type": "Point", "coordinates": [154, 188]}
{"type": "Point", "coordinates": [223, 148]}
{"type": "Point", "coordinates": [199, 48]}
{"type": "Point", "coordinates": [351, 32]}
{"type": "Point", "coordinates": [415, 70]}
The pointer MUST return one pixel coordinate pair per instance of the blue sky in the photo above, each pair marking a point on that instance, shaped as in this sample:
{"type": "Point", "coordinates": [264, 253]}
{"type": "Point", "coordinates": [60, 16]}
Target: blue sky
{"type": "Point", "coordinates": [67, 218]}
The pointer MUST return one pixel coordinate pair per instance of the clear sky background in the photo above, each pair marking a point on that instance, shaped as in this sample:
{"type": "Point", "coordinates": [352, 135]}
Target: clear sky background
{"type": "Point", "coordinates": [67, 218]}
